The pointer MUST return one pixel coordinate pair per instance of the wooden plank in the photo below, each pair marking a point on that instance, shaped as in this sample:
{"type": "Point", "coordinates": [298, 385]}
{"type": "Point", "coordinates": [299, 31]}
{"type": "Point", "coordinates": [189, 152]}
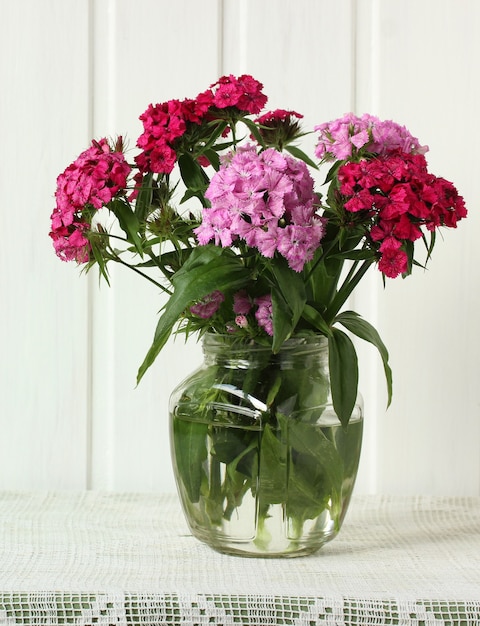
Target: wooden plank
{"type": "Point", "coordinates": [44, 308]}
{"type": "Point", "coordinates": [145, 53]}
{"type": "Point", "coordinates": [418, 60]}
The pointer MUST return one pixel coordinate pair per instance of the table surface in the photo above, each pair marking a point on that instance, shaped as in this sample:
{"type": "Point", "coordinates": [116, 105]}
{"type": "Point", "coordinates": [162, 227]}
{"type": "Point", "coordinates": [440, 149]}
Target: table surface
{"type": "Point", "coordinates": [114, 558]}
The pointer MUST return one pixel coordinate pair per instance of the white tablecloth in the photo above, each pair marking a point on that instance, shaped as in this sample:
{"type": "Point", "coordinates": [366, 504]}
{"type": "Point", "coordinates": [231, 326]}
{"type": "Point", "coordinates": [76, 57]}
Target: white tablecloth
{"type": "Point", "coordinates": [109, 558]}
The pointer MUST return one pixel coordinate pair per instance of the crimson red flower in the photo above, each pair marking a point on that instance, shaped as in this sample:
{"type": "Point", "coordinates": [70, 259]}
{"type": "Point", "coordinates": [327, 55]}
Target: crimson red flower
{"type": "Point", "coordinates": [393, 262]}
{"type": "Point", "coordinates": [403, 197]}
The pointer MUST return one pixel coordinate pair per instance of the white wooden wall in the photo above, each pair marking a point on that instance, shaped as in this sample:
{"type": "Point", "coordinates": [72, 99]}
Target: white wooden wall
{"type": "Point", "coordinates": [70, 70]}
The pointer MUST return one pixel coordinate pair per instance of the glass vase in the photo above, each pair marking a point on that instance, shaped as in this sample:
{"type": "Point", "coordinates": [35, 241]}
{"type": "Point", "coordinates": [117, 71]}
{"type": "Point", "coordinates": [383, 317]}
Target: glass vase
{"type": "Point", "coordinates": [262, 464]}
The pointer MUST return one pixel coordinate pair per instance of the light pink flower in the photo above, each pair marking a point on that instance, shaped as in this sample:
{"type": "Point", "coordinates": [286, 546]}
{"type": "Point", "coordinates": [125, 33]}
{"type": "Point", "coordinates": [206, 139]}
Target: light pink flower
{"type": "Point", "coordinates": [255, 197]}
{"type": "Point", "coordinates": [215, 225]}
{"type": "Point", "coordinates": [340, 138]}
{"type": "Point", "coordinates": [264, 313]}
{"type": "Point", "coordinates": [241, 321]}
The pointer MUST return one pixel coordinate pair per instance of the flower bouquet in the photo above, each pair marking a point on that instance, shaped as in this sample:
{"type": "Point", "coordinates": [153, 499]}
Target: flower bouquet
{"type": "Point", "coordinates": [220, 210]}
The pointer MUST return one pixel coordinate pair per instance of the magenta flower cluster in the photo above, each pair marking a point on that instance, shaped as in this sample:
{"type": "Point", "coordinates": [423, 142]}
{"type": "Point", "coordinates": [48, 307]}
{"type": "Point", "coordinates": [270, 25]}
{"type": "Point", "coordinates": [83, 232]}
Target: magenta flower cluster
{"type": "Point", "coordinates": [265, 199]}
{"type": "Point", "coordinates": [100, 173]}
{"type": "Point", "coordinates": [166, 123]}
{"type": "Point", "coordinates": [93, 179]}
{"type": "Point", "coordinates": [352, 135]}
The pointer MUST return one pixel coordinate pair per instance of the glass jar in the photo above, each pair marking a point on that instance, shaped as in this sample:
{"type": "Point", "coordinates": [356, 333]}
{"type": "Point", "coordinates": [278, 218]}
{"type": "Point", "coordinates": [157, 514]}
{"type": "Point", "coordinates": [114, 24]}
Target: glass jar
{"type": "Point", "coordinates": [262, 463]}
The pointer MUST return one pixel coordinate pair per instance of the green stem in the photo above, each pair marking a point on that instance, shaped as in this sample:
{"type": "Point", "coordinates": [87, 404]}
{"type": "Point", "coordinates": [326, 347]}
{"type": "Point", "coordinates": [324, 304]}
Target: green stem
{"type": "Point", "coordinates": [325, 252]}
{"type": "Point", "coordinates": [348, 285]}
{"type": "Point", "coordinates": [115, 257]}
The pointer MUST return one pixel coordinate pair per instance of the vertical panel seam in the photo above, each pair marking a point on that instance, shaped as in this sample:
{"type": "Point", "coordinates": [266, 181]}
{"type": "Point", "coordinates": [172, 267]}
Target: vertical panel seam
{"type": "Point", "coordinates": [89, 338]}
{"type": "Point", "coordinates": [371, 357]}
{"type": "Point", "coordinates": [221, 37]}
{"type": "Point", "coordinates": [354, 59]}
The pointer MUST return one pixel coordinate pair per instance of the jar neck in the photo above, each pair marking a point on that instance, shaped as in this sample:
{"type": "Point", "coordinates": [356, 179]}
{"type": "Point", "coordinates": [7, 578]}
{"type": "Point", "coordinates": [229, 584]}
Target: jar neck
{"type": "Point", "coordinates": [296, 353]}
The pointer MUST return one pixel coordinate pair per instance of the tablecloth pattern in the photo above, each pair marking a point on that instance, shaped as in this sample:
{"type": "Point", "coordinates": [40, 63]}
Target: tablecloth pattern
{"type": "Point", "coordinates": [109, 558]}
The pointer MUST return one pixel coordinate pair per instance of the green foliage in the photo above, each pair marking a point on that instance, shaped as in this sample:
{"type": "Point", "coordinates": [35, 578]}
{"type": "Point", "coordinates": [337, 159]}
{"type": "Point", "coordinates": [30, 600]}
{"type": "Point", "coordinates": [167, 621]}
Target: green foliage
{"type": "Point", "coordinates": [363, 329]}
{"type": "Point", "coordinates": [190, 454]}
{"type": "Point", "coordinates": [158, 242]}
{"type": "Point", "coordinates": [343, 365]}
{"type": "Point", "coordinates": [261, 432]}
{"type": "Point", "coordinates": [208, 268]}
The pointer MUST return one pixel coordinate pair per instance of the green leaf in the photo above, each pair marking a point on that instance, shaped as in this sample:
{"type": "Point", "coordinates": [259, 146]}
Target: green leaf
{"type": "Point", "coordinates": [300, 154]}
{"type": "Point", "coordinates": [343, 364]}
{"type": "Point", "coordinates": [313, 317]}
{"type": "Point", "coordinates": [332, 172]}
{"type": "Point", "coordinates": [355, 255]}
{"type": "Point", "coordinates": [102, 264]}
{"type": "Point", "coordinates": [351, 281]}
{"type": "Point", "coordinates": [288, 301]}
{"type": "Point", "coordinates": [253, 128]}
{"type": "Point", "coordinates": [144, 198]}
{"type": "Point", "coordinates": [273, 468]}
{"type": "Point", "coordinates": [292, 288]}
{"type": "Point", "coordinates": [208, 268]}
{"type": "Point", "coordinates": [282, 320]}
{"type": "Point", "coordinates": [129, 223]}
{"type": "Point", "coordinates": [213, 157]}
{"type": "Point", "coordinates": [364, 330]}
{"type": "Point", "coordinates": [192, 173]}
{"type": "Point", "coordinates": [190, 443]}
{"type": "Point", "coordinates": [316, 473]}
{"type": "Point", "coordinates": [216, 128]}
{"type": "Point", "coordinates": [192, 193]}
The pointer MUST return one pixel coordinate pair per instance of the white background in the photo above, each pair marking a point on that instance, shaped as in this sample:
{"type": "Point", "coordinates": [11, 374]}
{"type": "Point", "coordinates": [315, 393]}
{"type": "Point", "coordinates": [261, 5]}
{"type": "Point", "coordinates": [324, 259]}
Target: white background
{"type": "Point", "coordinates": [71, 70]}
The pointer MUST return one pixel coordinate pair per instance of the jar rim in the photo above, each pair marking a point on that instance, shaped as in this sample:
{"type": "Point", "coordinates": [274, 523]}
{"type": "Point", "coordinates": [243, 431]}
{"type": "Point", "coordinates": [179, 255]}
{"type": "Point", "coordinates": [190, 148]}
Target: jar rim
{"type": "Point", "coordinates": [231, 341]}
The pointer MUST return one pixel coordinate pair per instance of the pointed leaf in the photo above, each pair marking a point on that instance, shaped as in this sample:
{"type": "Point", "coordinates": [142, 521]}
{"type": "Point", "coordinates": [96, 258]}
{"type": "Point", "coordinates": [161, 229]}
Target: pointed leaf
{"type": "Point", "coordinates": [213, 157]}
{"type": "Point", "coordinates": [343, 364]}
{"type": "Point", "coordinates": [208, 268]}
{"type": "Point", "coordinates": [102, 264]}
{"type": "Point", "coordinates": [282, 320]}
{"type": "Point", "coordinates": [273, 464]}
{"type": "Point", "coordinates": [144, 198]}
{"type": "Point", "coordinates": [253, 128]}
{"type": "Point", "coordinates": [300, 154]}
{"type": "Point", "coordinates": [363, 329]}
{"type": "Point", "coordinates": [192, 173]}
{"type": "Point", "coordinates": [313, 317]}
{"type": "Point", "coordinates": [288, 300]}
{"type": "Point", "coordinates": [128, 223]}
{"type": "Point", "coordinates": [292, 288]}
{"type": "Point", "coordinates": [190, 444]}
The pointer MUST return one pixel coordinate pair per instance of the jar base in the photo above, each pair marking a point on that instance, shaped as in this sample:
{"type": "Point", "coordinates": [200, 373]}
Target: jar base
{"type": "Point", "coordinates": [238, 549]}
{"type": "Point", "coordinates": [276, 536]}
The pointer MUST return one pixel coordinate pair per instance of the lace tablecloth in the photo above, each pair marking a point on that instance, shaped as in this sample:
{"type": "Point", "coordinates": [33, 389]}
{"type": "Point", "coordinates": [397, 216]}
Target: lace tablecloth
{"type": "Point", "coordinates": [116, 559]}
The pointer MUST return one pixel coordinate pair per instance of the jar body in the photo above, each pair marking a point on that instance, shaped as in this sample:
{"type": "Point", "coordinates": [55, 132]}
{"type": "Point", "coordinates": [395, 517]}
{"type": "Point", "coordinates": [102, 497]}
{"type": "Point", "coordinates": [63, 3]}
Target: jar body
{"type": "Point", "coordinates": [262, 464]}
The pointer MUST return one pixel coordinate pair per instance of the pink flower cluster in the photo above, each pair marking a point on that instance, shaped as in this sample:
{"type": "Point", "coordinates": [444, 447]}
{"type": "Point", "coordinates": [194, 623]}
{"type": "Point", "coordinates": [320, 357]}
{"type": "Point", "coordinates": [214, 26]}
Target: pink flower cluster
{"type": "Point", "coordinates": [262, 306]}
{"type": "Point", "coordinates": [400, 196]}
{"type": "Point", "coordinates": [345, 137]}
{"type": "Point", "coordinates": [243, 305]}
{"type": "Point", "coordinates": [91, 181]}
{"type": "Point", "coordinates": [267, 200]}
{"type": "Point", "coordinates": [208, 305]}
{"type": "Point", "coordinates": [166, 122]}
